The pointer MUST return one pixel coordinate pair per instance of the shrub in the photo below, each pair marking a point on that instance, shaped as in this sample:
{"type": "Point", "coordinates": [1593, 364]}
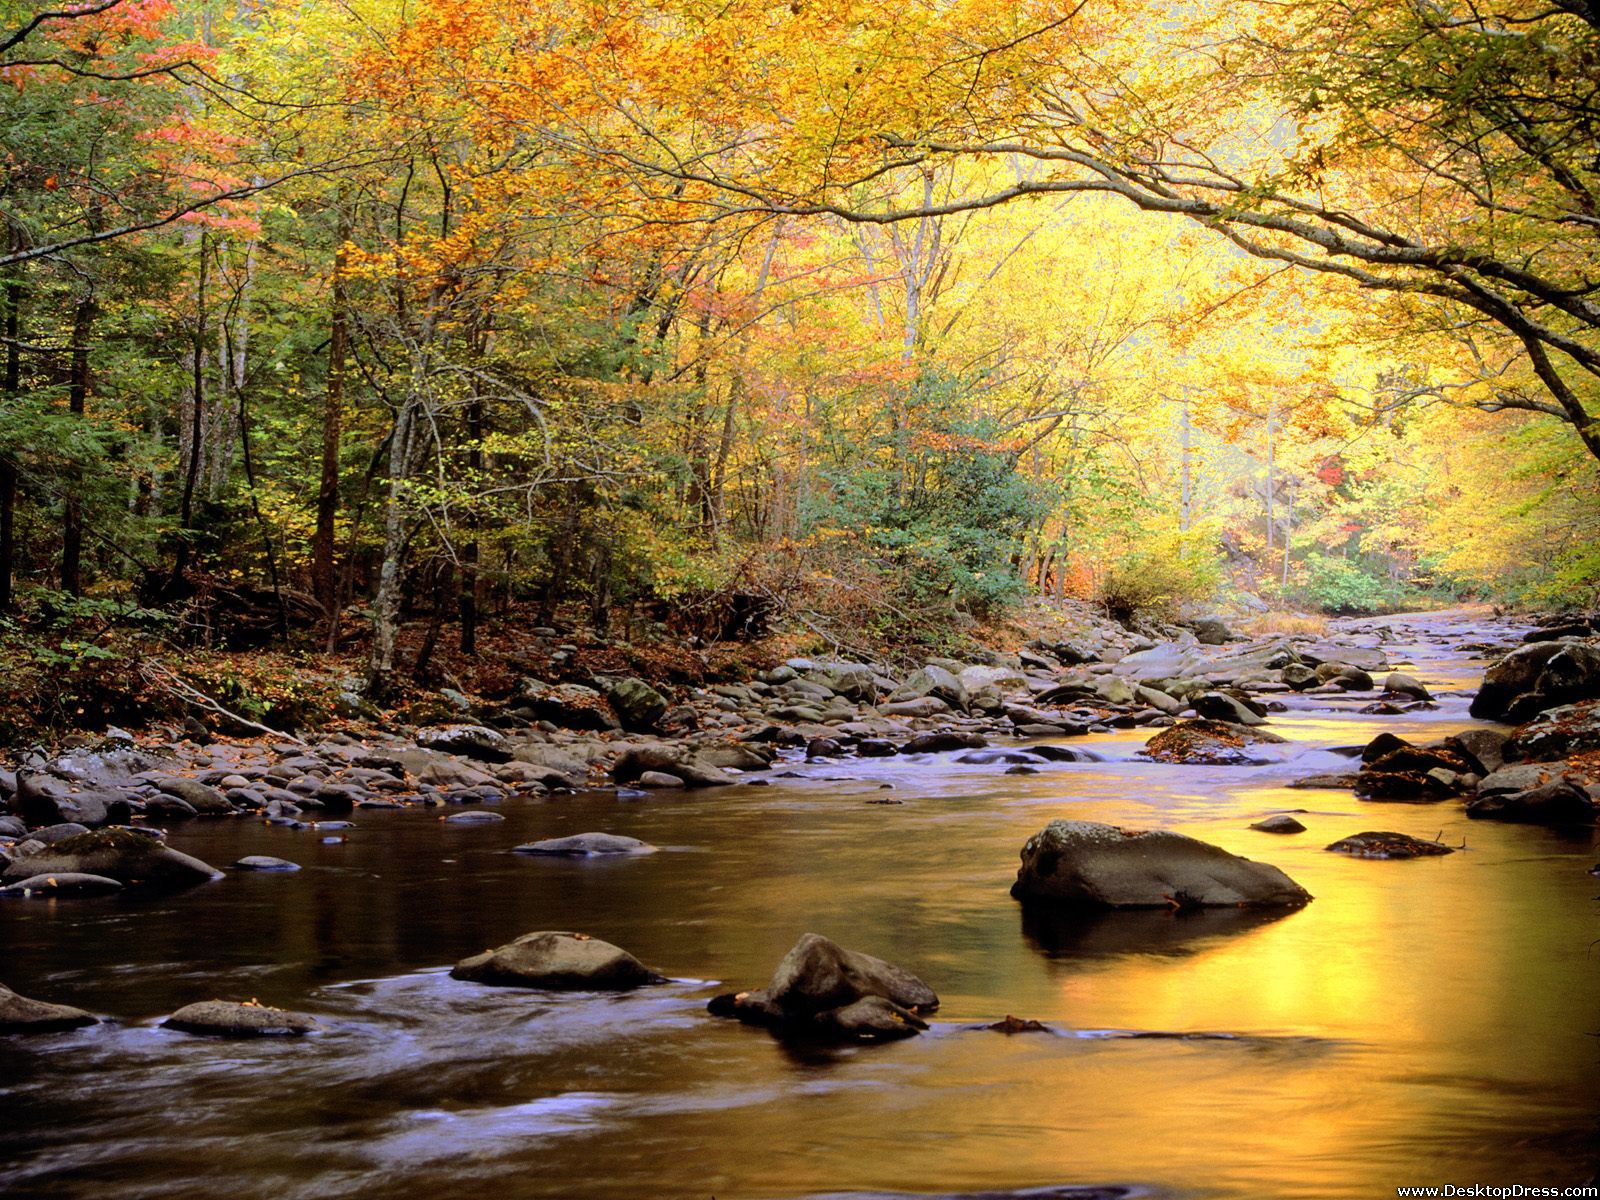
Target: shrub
{"type": "Point", "coordinates": [1151, 581]}
{"type": "Point", "coordinates": [1343, 585]}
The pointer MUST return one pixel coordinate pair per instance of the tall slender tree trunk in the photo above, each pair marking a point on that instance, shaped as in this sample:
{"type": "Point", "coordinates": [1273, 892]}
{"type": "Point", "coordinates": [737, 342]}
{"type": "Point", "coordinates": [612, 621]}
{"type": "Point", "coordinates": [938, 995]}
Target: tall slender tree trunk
{"type": "Point", "coordinates": [386, 604]}
{"type": "Point", "coordinates": [197, 413]}
{"type": "Point", "coordinates": [77, 404]}
{"type": "Point", "coordinates": [8, 467]}
{"type": "Point", "coordinates": [324, 579]}
{"type": "Point", "coordinates": [467, 595]}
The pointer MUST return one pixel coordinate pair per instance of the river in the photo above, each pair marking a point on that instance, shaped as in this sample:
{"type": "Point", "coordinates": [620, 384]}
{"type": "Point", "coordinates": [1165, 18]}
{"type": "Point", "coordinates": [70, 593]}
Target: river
{"type": "Point", "coordinates": [1420, 1023]}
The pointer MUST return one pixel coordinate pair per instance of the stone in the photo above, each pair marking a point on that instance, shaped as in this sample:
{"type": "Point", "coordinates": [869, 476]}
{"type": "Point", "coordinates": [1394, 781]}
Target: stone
{"type": "Point", "coordinates": [66, 883]}
{"type": "Point", "coordinates": [1219, 706]}
{"type": "Point", "coordinates": [1538, 676]}
{"type": "Point", "coordinates": [1279, 823]}
{"type": "Point", "coordinates": [43, 800]}
{"type": "Point", "coordinates": [1299, 676]}
{"type": "Point", "coordinates": [206, 800]}
{"type": "Point", "coordinates": [1556, 803]}
{"type": "Point", "coordinates": [569, 705]}
{"type": "Point", "coordinates": [1084, 863]}
{"type": "Point", "coordinates": [226, 1018]}
{"type": "Point", "coordinates": [19, 1014]}
{"type": "Point", "coordinates": [659, 780]}
{"type": "Point", "coordinates": [824, 992]}
{"type": "Point", "coordinates": [557, 961]}
{"type": "Point", "coordinates": [1206, 743]}
{"type": "Point", "coordinates": [936, 682]}
{"type": "Point", "coordinates": [473, 817]}
{"type": "Point", "coordinates": [264, 862]}
{"type": "Point", "coordinates": [1400, 684]}
{"type": "Point", "coordinates": [818, 975]}
{"type": "Point", "coordinates": [943, 742]}
{"type": "Point", "coordinates": [468, 741]}
{"type": "Point", "coordinates": [585, 845]}
{"type": "Point", "coordinates": [1378, 844]}
{"type": "Point", "coordinates": [638, 705]}
{"type": "Point", "coordinates": [132, 857]}
{"type": "Point", "coordinates": [1212, 631]}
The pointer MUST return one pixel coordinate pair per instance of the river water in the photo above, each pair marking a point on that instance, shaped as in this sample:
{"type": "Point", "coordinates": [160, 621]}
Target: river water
{"type": "Point", "coordinates": [1424, 1022]}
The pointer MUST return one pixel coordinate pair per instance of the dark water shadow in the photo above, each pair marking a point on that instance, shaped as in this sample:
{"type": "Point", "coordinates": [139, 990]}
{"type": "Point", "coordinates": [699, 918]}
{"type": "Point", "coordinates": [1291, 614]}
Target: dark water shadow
{"type": "Point", "coordinates": [1065, 932]}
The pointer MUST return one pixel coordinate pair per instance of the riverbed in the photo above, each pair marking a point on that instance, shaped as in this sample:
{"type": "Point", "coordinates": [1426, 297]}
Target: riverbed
{"type": "Point", "coordinates": [1420, 1023]}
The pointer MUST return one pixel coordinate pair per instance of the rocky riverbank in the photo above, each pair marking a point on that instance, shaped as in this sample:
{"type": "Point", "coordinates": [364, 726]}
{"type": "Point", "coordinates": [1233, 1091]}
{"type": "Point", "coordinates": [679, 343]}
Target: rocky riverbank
{"type": "Point", "coordinates": [1207, 691]}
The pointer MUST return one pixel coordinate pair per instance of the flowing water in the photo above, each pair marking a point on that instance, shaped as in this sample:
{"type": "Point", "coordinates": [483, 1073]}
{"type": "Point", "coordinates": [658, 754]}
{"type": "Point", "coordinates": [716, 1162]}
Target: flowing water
{"type": "Point", "coordinates": [1424, 1022]}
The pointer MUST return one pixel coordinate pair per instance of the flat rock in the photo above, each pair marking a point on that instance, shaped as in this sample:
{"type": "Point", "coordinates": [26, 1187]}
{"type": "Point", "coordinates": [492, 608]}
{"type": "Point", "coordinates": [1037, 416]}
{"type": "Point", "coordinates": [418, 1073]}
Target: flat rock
{"type": "Point", "coordinates": [67, 883]}
{"type": "Point", "coordinates": [583, 845]}
{"type": "Point", "coordinates": [225, 1018]}
{"type": "Point", "coordinates": [1559, 802]}
{"type": "Point", "coordinates": [1279, 823]}
{"type": "Point", "coordinates": [264, 862]}
{"type": "Point", "coordinates": [560, 961]}
{"type": "Point", "coordinates": [19, 1014]}
{"type": "Point", "coordinates": [1379, 844]}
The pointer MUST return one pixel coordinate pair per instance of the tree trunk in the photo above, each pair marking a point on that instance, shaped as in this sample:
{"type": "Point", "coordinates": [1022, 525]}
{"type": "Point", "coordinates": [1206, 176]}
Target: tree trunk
{"type": "Point", "coordinates": [8, 467]}
{"type": "Point", "coordinates": [77, 403]}
{"type": "Point", "coordinates": [324, 580]}
{"type": "Point", "coordinates": [191, 477]}
{"type": "Point", "coordinates": [386, 605]}
{"type": "Point", "coordinates": [467, 597]}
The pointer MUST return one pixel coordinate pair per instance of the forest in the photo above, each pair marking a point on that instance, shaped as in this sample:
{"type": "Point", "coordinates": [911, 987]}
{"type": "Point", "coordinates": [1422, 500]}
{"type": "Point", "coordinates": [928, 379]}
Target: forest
{"type": "Point", "coordinates": [540, 538]}
{"type": "Point", "coordinates": [361, 328]}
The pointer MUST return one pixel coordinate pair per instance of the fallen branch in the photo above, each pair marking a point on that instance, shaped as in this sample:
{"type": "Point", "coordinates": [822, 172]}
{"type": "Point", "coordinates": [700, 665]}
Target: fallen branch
{"type": "Point", "coordinates": [157, 675]}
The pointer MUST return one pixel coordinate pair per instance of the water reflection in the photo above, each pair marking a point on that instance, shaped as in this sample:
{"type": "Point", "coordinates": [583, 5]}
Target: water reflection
{"type": "Point", "coordinates": [1418, 1022]}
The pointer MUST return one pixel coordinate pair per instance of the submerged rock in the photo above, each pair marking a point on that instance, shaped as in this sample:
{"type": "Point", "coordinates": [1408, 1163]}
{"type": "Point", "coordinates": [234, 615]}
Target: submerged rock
{"type": "Point", "coordinates": [560, 961]}
{"type": "Point", "coordinates": [131, 857]}
{"type": "Point", "coordinates": [821, 990]}
{"type": "Point", "coordinates": [583, 845]}
{"type": "Point", "coordinates": [226, 1018]}
{"type": "Point", "coordinates": [1103, 866]}
{"type": "Point", "coordinates": [19, 1014]}
{"type": "Point", "coordinates": [1378, 844]}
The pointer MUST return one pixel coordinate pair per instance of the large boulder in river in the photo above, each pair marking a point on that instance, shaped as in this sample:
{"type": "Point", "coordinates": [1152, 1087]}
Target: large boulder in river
{"type": "Point", "coordinates": [132, 857]}
{"type": "Point", "coordinates": [1382, 844]}
{"type": "Point", "coordinates": [1556, 803]}
{"type": "Point", "coordinates": [1557, 733]}
{"type": "Point", "coordinates": [558, 961]}
{"type": "Point", "coordinates": [43, 799]}
{"type": "Point", "coordinates": [1533, 678]}
{"type": "Point", "coordinates": [1084, 863]}
{"type": "Point", "coordinates": [935, 681]}
{"type": "Point", "coordinates": [19, 1014]}
{"type": "Point", "coordinates": [821, 990]}
{"type": "Point", "coordinates": [226, 1018]}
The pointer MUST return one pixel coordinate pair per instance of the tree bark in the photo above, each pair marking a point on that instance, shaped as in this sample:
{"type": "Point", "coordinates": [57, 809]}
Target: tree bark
{"type": "Point", "coordinates": [8, 467]}
{"type": "Point", "coordinates": [324, 578]}
{"type": "Point", "coordinates": [77, 403]}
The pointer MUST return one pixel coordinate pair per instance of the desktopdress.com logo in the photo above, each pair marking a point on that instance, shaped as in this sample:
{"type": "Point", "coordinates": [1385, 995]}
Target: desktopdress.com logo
{"type": "Point", "coordinates": [1513, 1190]}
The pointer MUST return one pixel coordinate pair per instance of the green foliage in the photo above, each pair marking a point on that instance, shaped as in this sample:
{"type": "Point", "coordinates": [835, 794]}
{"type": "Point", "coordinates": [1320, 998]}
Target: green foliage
{"type": "Point", "coordinates": [1344, 585]}
{"type": "Point", "coordinates": [1154, 579]}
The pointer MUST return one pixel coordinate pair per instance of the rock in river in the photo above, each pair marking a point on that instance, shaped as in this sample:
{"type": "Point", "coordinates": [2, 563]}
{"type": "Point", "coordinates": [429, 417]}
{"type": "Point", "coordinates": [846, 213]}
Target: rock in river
{"type": "Point", "coordinates": [264, 862]}
{"type": "Point", "coordinates": [224, 1018]}
{"type": "Point", "coordinates": [67, 883]}
{"type": "Point", "coordinates": [1559, 802]}
{"type": "Point", "coordinates": [1103, 866]}
{"type": "Point", "coordinates": [127, 855]}
{"type": "Point", "coordinates": [1378, 844]}
{"type": "Point", "coordinates": [563, 961]}
{"type": "Point", "coordinates": [821, 990]}
{"type": "Point", "coordinates": [18, 1014]}
{"type": "Point", "coordinates": [1206, 743]}
{"type": "Point", "coordinates": [1279, 823]}
{"type": "Point", "coordinates": [583, 845]}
